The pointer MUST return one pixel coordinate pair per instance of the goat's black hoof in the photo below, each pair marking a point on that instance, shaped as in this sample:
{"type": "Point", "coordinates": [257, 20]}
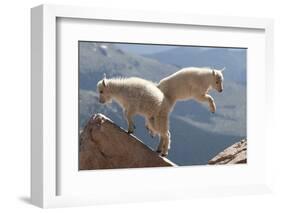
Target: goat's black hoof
{"type": "Point", "coordinates": [130, 132]}
{"type": "Point", "coordinates": [164, 155]}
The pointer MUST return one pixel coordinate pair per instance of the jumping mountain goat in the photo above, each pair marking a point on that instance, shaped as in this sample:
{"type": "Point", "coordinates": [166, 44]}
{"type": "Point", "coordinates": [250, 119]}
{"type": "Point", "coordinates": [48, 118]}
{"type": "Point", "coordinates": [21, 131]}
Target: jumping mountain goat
{"type": "Point", "coordinates": [139, 96]}
{"type": "Point", "coordinates": [187, 83]}
{"type": "Point", "coordinates": [192, 83]}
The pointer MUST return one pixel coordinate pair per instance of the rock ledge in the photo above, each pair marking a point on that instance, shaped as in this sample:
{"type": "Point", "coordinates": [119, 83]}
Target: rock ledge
{"type": "Point", "coordinates": [235, 154]}
{"type": "Point", "coordinates": [104, 145]}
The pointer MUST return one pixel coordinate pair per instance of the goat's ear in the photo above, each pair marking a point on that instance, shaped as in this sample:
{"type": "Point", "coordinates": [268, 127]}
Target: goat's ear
{"type": "Point", "coordinates": [104, 82]}
{"type": "Point", "coordinates": [213, 72]}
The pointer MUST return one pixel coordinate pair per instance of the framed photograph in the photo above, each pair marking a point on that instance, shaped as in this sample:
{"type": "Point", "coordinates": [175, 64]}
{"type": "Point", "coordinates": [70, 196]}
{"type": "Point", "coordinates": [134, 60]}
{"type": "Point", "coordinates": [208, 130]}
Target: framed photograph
{"type": "Point", "coordinates": [129, 106]}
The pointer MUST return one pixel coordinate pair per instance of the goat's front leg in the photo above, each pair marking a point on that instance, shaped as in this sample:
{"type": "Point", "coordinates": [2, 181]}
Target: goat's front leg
{"type": "Point", "coordinates": [128, 115]}
{"type": "Point", "coordinates": [209, 99]}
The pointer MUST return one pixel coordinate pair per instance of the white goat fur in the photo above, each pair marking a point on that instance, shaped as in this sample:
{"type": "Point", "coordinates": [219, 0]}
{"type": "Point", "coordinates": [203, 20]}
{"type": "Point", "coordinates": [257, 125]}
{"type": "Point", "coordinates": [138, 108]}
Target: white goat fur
{"type": "Point", "coordinates": [192, 83]}
{"type": "Point", "coordinates": [138, 96]}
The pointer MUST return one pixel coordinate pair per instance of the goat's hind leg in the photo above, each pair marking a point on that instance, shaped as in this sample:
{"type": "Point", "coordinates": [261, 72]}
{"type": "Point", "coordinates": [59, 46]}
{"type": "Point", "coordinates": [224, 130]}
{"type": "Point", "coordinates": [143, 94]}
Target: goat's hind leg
{"type": "Point", "coordinates": [165, 142]}
{"type": "Point", "coordinates": [160, 146]}
{"type": "Point", "coordinates": [162, 125]}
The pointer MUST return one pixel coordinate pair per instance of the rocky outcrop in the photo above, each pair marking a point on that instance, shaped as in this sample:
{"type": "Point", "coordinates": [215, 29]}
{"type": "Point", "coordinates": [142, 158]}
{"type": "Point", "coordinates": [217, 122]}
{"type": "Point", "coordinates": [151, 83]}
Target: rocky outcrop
{"type": "Point", "coordinates": [104, 145]}
{"type": "Point", "coordinates": [235, 154]}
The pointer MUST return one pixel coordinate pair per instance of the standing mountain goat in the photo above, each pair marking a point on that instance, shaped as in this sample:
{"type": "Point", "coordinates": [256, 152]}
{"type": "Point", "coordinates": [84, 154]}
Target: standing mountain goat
{"type": "Point", "coordinates": [137, 96]}
{"type": "Point", "coordinates": [192, 83]}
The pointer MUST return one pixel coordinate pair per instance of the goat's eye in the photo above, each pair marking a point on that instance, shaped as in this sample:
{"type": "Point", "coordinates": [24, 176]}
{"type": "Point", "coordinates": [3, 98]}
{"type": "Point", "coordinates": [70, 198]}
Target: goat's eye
{"type": "Point", "coordinates": [101, 92]}
{"type": "Point", "coordinates": [217, 82]}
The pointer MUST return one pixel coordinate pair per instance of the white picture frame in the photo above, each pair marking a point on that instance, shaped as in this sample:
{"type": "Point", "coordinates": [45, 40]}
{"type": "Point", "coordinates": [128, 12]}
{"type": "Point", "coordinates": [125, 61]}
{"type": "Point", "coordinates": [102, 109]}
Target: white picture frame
{"type": "Point", "coordinates": [44, 155]}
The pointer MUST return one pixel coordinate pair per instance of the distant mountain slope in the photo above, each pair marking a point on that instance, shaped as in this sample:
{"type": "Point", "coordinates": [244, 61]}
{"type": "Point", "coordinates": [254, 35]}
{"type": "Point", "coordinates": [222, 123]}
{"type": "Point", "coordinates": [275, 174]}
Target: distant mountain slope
{"type": "Point", "coordinates": [96, 59]}
{"type": "Point", "coordinates": [233, 59]}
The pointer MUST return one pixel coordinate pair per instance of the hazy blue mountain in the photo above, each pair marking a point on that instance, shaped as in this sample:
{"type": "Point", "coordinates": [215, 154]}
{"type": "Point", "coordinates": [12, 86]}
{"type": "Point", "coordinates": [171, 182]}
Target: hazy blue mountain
{"type": "Point", "coordinates": [97, 59]}
{"type": "Point", "coordinates": [197, 134]}
{"type": "Point", "coordinates": [234, 60]}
